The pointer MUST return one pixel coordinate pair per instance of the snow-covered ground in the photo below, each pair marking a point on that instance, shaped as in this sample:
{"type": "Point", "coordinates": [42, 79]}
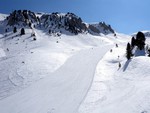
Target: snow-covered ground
{"type": "Point", "coordinates": [71, 74]}
{"type": "Point", "coordinates": [119, 90]}
{"type": "Point", "coordinates": [62, 91]}
{"type": "Point", "coordinates": [2, 16]}
{"type": "Point", "coordinates": [25, 61]}
{"type": "Point", "coordinates": [51, 74]}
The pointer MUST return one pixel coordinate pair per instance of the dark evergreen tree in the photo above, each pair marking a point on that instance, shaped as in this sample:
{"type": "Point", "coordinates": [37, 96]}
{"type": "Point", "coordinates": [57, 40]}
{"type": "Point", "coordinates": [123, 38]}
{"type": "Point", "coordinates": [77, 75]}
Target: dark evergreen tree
{"type": "Point", "coordinates": [34, 38]}
{"type": "Point", "coordinates": [128, 51]}
{"type": "Point", "coordinates": [133, 42]}
{"type": "Point", "coordinates": [50, 31]}
{"type": "Point", "coordinates": [149, 52]}
{"type": "Point", "coordinates": [30, 25]}
{"type": "Point", "coordinates": [15, 30]}
{"type": "Point", "coordinates": [7, 18]}
{"type": "Point", "coordinates": [140, 40]}
{"type": "Point", "coordinates": [5, 30]}
{"type": "Point", "coordinates": [22, 31]}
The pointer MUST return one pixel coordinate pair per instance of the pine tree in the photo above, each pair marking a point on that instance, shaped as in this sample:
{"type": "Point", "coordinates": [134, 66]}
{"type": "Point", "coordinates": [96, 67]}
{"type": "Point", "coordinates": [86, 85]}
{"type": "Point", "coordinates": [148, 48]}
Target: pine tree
{"type": "Point", "coordinates": [22, 31]}
{"type": "Point", "coordinates": [50, 31]}
{"type": "Point", "coordinates": [149, 52]}
{"type": "Point", "coordinates": [30, 25]}
{"type": "Point", "coordinates": [34, 38]}
{"type": "Point", "coordinates": [5, 30]}
{"type": "Point", "coordinates": [133, 42]}
{"type": "Point", "coordinates": [128, 51]}
{"type": "Point", "coordinates": [140, 40]}
{"type": "Point", "coordinates": [15, 30]}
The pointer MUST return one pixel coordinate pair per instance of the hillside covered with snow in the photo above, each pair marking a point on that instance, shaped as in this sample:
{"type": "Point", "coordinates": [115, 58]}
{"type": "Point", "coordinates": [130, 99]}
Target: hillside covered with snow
{"type": "Point", "coordinates": [56, 63]}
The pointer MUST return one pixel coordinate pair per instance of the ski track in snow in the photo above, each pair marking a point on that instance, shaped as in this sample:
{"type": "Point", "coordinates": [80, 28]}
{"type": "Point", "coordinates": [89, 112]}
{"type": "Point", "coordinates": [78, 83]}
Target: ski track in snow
{"type": "Point", "coordinates": [63, 91]}
{"type": "Point", "coordinates": [66, 80]}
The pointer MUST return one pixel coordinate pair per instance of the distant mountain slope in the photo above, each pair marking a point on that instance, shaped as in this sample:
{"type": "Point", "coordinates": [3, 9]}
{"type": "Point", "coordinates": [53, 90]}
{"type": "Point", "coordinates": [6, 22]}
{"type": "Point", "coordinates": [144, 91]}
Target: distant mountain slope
{"type": "Point", "coordinates": [146, 33]}
{"type": "Point", "coordinates": [2, 16]}
{"type": "Point", "coordinates": [100, 27]}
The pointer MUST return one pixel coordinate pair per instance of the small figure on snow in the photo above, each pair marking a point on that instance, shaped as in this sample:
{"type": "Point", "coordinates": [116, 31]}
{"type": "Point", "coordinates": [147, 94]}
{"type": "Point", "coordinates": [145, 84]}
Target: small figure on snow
{"type": "Point", "coordinates": [111, 50]}
{"type": "Point", "coordinates": [32, 34]}
{"type": "Point", "coordinates": [7, 49]}
{"type": "Point", "coordinates": [119, 65]}
{"type": "Point", "coordinates": [116, 45]}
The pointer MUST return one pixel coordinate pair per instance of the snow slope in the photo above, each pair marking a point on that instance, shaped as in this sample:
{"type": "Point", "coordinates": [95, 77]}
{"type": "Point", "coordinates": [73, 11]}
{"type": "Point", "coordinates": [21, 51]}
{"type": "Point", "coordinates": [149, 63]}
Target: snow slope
{"type": "Point", "coordinates": [70, 74]}
{"type": "Point", "coordinates": [24, 61]}
{"type": "Point", "coordinates": [119, 90]}
{"type": "Point", "coordinates": [49, 74]}
{"type": "Point", "coordinates": [2, 16]}
{"type": "Point", "coordinates": [62, 91]}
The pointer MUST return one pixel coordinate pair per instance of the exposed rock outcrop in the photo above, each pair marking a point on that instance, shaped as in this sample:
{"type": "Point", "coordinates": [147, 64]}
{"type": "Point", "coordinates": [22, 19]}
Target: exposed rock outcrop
{"type": "Point", "coordinates": [55, 23]}
{"type": "Point", "coordinates": [100, 28]}
{"type": "Point", "coordinates": [22, 18]}
{"type": "Point", "coordinates": [69, 22]}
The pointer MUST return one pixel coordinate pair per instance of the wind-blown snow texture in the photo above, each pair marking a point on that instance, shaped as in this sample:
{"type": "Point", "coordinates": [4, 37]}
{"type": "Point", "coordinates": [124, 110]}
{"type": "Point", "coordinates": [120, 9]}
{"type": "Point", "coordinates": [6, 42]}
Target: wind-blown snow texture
{"type": "Point", "coordinates": [70, 73]}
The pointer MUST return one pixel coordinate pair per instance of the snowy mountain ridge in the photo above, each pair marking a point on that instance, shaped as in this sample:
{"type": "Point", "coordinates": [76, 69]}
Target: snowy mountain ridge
{"type": "Point", "coordinates": [145, 32]}
{"type": "Point", "coordinates": [55, 22]}
{"type": "Point", "coordinates": [69, 73]}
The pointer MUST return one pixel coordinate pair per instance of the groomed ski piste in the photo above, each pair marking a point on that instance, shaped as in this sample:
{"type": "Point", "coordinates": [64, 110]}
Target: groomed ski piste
{"type": "Point", "coordinates": [71, 74]}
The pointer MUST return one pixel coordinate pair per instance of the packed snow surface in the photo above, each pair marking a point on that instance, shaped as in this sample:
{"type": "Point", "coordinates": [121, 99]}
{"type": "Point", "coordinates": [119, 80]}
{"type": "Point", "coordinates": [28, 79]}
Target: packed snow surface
{"type": "Point", "coordinates": [62, 91]}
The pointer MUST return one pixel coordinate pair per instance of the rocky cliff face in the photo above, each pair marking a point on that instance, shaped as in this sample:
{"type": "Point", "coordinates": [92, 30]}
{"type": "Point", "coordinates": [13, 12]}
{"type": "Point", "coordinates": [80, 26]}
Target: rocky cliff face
{"type": "Point", "coordinates": [101, 27]}
{"type": "Point", "coordinates": [69, 22]}
{"type": "Point", "coordinates": [56, 22]}
{"type": "Point", "coordinates": [147, 34]}
{"type": "Point", "coordinates": [22, 18]}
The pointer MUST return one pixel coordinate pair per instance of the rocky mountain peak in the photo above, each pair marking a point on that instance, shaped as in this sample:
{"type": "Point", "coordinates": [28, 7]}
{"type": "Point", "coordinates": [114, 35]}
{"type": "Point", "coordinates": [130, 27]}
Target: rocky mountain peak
{"type": "Point", "coordinates": [21, 17]}
{"type": "Point", "coordinates": [69, 22]}
{"type": "Point", "coordinates": [55, 22]}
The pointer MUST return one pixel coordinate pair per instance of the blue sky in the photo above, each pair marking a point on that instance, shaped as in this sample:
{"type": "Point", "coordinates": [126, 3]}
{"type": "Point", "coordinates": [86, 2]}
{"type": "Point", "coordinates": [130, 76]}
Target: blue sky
{"type": "Point", "coordinates": [125, 16]}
